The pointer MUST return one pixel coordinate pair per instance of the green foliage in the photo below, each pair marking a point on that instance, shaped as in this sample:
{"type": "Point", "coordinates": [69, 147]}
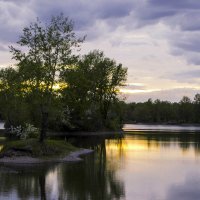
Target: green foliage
{"type": "Point", "coordinates": [93, 86]}
{"type": "Point", "coordinates": [37, 149]}
{"type": "Point", "coordinates": [29, 131]}
{"type": "Point", "coordinates": [158, 111]}
{"type": "Point", "coordinates": [43, 52]}
{"type": "Point", "coordinates": [24, 132]}
{"type": "Point", "coordinates": [52, 87]}
{"type": "Point", "coordinates": [13, 107]}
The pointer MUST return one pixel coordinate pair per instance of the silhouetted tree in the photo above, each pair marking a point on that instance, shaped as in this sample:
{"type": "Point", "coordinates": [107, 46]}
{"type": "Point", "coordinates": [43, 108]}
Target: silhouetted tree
{"type": "Point", "coordinates": [93, 86]}
{"type": "Point", "coordinates": [48, 51]}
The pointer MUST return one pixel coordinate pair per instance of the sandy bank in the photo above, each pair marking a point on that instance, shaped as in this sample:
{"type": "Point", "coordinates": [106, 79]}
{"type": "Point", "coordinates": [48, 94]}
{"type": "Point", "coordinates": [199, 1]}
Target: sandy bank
{"type": "Point", "coordinates": [72, 157]}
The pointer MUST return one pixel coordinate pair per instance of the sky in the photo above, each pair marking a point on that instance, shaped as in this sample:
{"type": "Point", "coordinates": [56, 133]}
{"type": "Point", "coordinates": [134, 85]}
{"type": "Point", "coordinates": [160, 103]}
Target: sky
{"type": "Point", "coordinates": [157, 40]}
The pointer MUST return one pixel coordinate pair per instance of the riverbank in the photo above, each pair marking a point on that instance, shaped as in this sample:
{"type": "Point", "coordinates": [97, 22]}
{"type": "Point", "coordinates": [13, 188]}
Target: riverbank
{"type": "Point", "coordinates": [24, 160]}
{"type": "Point", "coordinates": [86, 133]}
{"type": "Point", "coordinates": [32, 151]}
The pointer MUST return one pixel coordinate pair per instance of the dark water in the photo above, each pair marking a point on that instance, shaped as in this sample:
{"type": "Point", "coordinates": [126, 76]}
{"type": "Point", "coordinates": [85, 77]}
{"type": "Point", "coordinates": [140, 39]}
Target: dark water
{"type": "Point", "coordinates": [137, 167]}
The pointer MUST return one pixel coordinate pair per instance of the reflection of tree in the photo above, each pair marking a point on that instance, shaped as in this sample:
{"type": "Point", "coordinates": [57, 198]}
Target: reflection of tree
{"type": "Point", "coordinates": [26, 181]}
{"type": "Point", "coordinates": [94, 179]}
{"type": "Point", "coordinates": [184, 140]}
{"type": "Point", "coordinates": [42, 187]}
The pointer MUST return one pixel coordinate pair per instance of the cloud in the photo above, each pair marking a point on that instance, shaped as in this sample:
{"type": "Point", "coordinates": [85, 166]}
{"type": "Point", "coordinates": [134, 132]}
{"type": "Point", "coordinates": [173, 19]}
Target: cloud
{"type": "Point", "coordinates": [13, 17]}
{"type": "Point", "coordinates": [139, 33]}
{"type": "Point", "coordinates": [132, 14]}
{"type": "Point", "coordinates": [175, 5]}
{"type": "Point", "coordinates": [173, 95]}
{"type": "Point", "coordinates": [16, 14]}
{"type": "Point", "coordinates": [135, 86]}
{"type": "Point", "coordinates": [182, 17]}
{"type": "Point", "coordinates": [188, 76]}
{"type": "Point", "coordinates": [3, 48]}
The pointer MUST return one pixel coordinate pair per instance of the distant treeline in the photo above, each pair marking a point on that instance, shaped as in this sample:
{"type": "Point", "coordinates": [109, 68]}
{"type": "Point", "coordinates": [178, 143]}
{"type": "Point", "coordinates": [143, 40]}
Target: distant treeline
{"type": "Point", "coordinates": [185, 111]}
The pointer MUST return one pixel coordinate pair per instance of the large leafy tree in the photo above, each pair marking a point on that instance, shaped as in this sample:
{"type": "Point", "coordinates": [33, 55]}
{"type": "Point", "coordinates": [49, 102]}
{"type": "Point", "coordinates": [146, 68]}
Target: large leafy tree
{"type": "Point", "coordinates": [13, 107]}
{"type": "Point", "coordinates": [93, 86]}
{"type": "Point", "coordinates": [43, 52]}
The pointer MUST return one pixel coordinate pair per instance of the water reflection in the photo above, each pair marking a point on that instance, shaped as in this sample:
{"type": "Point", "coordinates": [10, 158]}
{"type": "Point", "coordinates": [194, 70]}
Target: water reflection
{"type": "Point", "coordinates": [23, 182]}
{"type": "Point", "coordinates": [185, 141]}
{"type": "Point", "coordinates": [140, 166]}
{"type": "Point", "coordinates": [93, 179]}
{"type": "Point", "coordinates": [189, 189]}
{"type": "Point", "coordinates": [2, 140]}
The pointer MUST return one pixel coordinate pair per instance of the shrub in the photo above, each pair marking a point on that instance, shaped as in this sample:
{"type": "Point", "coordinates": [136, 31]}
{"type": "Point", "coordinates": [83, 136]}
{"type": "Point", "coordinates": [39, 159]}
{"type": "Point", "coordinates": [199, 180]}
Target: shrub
{"type": "Point", "coordinates": [23, 133]}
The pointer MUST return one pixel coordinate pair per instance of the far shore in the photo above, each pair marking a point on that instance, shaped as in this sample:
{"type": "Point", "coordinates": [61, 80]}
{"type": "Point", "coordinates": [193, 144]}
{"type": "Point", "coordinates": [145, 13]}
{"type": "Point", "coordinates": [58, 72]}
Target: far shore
{"type": "Point", "coordinates": [163, 123]}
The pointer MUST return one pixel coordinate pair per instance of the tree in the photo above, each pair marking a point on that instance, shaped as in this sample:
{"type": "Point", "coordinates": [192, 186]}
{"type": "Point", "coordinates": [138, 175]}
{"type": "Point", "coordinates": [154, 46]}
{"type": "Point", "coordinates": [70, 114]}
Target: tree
{"type": "Point", "coordinates": [186, 111]}
{"type": "Point", "coordinates": [197, 107]}
{"type": "Point", "coordinates": [93, 85]}
{"type": "Point", "coordinates": [107, 76]}
{"type": "Point", "coordinates": [11, 98]}
{"type": "Point", "coordinates": [46, 50]}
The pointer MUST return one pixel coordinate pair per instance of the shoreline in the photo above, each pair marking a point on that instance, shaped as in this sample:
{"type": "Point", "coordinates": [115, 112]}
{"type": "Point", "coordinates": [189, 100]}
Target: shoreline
{"type": "Point", "coordinates": [26, 160]}
{"type": "Point", "coordinates": [86, 133]}
{"type": "Point", "coordinates": [51, 133]}
{"type": "Point", "coordinates": [162, 123]}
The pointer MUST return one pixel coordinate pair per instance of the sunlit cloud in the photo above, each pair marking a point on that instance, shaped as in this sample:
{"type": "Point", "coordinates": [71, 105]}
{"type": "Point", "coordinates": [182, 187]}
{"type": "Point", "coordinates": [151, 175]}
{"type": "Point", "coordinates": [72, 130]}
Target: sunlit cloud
{"type": "Point", "coordinates": [134, 84]}
{"type": "Point", "coordinates": [129, 91]}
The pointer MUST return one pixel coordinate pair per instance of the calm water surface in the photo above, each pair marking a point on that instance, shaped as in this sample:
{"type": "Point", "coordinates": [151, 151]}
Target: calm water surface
{"type": "Point", "coordinates": [140, 167]}
{"type": "Point", "coordinates": [161, 128]}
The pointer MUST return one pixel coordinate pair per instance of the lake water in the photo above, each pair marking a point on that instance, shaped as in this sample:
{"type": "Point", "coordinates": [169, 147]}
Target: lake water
{"type": "Point", "coordinates": [140, 166]}
{"type": "Point", "coordinates": [161, 128]}
{"type": "Point", "coordinates": [1, 125]}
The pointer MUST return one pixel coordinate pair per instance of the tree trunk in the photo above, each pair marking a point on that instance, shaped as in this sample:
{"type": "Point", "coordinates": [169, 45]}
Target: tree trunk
{"type": "Point", "coordinates": [104, 112]}
{"type": "Point", "coordinates": [44, 123]}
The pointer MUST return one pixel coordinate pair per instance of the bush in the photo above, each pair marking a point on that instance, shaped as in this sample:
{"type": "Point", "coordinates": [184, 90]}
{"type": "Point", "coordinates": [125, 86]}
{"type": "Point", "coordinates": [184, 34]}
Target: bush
{"type": "Point", "coordinates": [23, 133]}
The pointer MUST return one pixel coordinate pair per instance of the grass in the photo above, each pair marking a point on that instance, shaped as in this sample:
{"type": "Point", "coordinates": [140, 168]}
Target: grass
{"type": "Point", "coordinates": [2, 138]}
{"type": "Point", "coordinates": [32, 147]}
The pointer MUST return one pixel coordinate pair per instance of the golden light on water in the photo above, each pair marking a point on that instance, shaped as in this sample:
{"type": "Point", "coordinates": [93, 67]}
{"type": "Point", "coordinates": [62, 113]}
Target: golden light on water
{"type": "Point", "coordinates": [130, 148]}
{"type": "Point", "coordinates": [1, 147]}
{"type": "Point", "coordinates": [132, 145]}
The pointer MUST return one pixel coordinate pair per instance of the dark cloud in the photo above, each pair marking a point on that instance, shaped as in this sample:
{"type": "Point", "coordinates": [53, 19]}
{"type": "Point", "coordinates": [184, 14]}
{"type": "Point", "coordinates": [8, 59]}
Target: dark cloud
{"type": "Point", "coordinates": [178, 4]}
{"type": "Point", "coordinates": [190, 21]}
{"type": "Point", "coordinates": [189, 76]}
{"type": "Point", "coordinates": [115, 9]}
{"type": "Point", "coordinates": [15, 14]}
{"type": "Point", "coordinates": [85, 13]}
{"type": "Point", "coordinates": [13, 17]}
{"type": "Point", "coordinates": [182, 16]}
